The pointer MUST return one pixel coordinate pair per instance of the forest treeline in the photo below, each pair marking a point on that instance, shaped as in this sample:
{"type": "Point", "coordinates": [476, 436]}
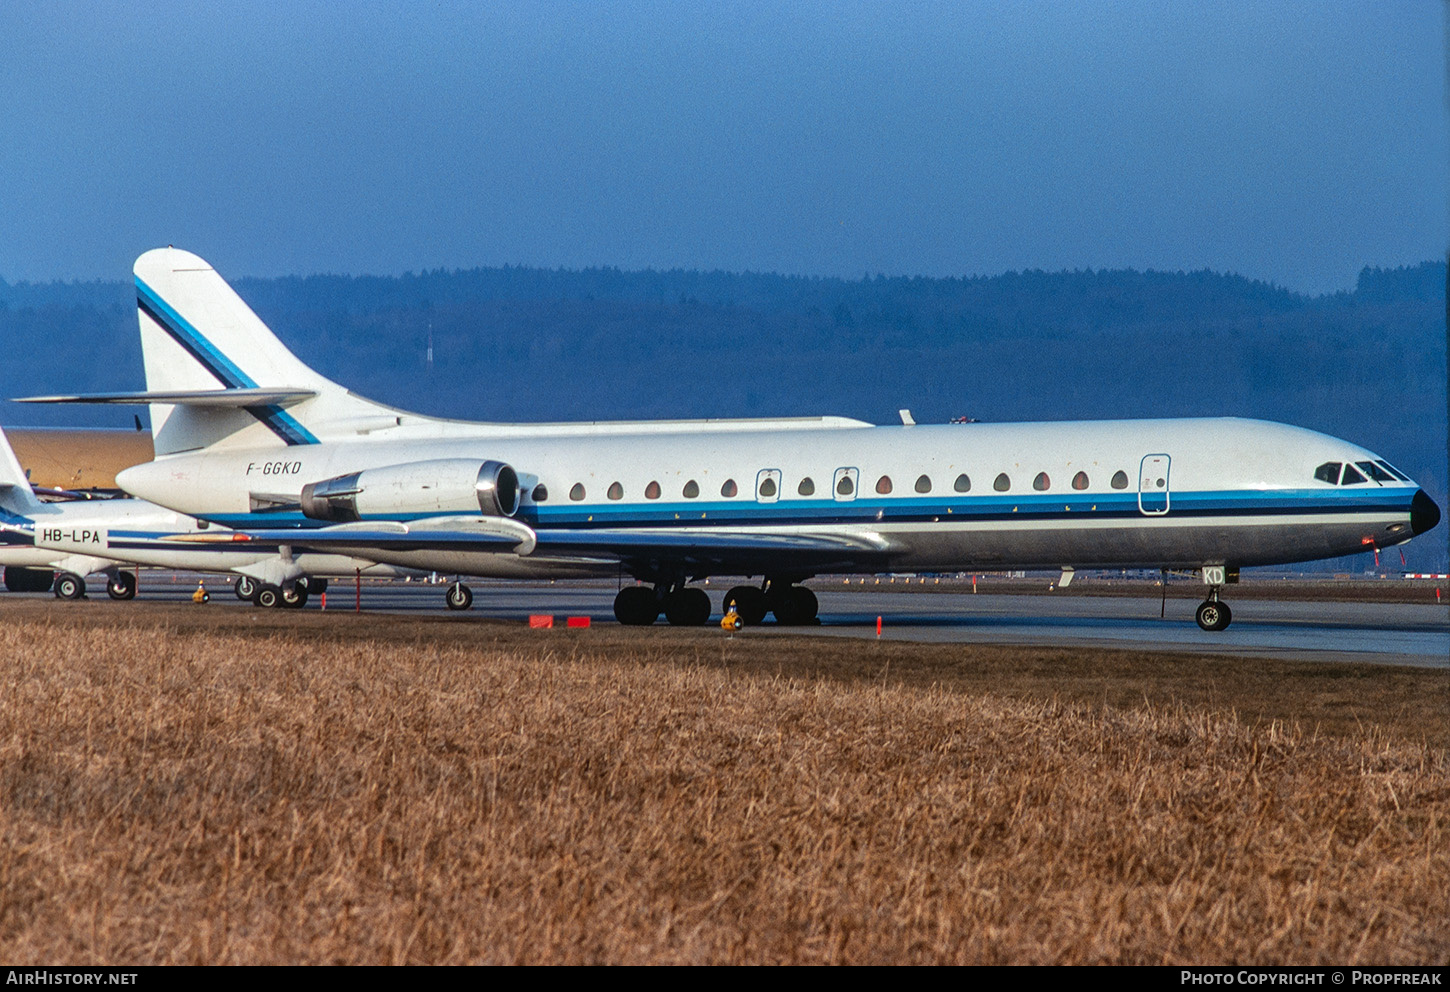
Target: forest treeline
{"type": "Point", "coordinates": [518, 343]}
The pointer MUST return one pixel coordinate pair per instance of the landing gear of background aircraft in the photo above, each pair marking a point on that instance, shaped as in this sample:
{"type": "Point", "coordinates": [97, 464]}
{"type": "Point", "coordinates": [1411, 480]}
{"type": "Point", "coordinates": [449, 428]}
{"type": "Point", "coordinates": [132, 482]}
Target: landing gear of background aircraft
{"type": "Point", "coordinates": [1213, 615]}
{"type": "Point", "coordinates": [268, 596]}
{"type": "Point", "coordinates": [68, 585]}
{"type": "Point", "coordinates": [792, 605]}
{"type": "Point", "coordinates": [294, 596]}
{"type": "Point", "coordinates": [636, 606]}
{"type": "Point", "coordinates": [749, 602]}
{"type": "Point", "coordinates": [246, 587]}
{"type": "Point", "coordinates": [687, 607]}
{"type": "Point", "coordinates": [122, 586]}
{"type": "Point", "coordinates": [459, 596]}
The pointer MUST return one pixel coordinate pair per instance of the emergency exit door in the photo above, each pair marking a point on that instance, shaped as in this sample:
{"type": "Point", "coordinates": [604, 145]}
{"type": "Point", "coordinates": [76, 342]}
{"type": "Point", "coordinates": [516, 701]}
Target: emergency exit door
{"type": "Point", "coordinates": [1153, 485]}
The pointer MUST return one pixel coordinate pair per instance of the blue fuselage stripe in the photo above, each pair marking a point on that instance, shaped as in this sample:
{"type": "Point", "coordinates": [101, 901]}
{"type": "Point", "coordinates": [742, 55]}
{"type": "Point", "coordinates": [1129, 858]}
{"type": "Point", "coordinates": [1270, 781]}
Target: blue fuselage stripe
{"type": "Point", "coordinates": [1285, 504]}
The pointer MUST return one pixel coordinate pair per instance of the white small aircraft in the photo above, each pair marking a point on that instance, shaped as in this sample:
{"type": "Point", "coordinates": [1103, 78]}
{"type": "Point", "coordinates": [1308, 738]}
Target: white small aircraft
{"type": "Point", "coordinates": [249, 437]}
{"type": "Point", "coordinates": [56, 545]}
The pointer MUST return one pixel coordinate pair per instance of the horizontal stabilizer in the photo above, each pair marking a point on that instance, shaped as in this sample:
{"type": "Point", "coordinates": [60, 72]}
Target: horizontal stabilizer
{"type": "Point", "coordinates": [219, 398]}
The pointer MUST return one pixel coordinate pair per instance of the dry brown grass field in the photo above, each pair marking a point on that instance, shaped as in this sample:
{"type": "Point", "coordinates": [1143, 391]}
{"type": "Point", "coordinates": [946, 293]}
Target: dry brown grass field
{"type": "Point", "coordinates": [198, 785]}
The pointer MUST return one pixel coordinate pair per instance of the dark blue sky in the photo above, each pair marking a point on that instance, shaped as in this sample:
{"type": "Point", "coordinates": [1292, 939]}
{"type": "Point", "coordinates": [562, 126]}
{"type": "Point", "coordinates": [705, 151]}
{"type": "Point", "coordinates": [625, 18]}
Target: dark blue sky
{"type": "Point", "coordinates": [1292, 142]}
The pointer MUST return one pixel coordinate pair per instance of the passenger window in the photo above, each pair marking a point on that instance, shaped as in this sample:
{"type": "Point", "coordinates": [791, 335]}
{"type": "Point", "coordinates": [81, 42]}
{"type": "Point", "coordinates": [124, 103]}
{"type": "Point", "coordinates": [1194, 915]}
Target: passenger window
{"type": "Point", "coordinates": [1120, 480]}
{"type": "Point", "coordinates": [883, 485]}
{"type": "Point", "coordinates": [729, 489]}
{"type": "Point", "coordinates": [767, 487]}
{"type": "Point", "coordinates": [652, 491]}
{"type": "Point", "coordinates": [1080, 481]}
{"type": "Point", "coordinates": [963, 484]}
{"type": "Point", "coordinates": [923, 485]}
{"type": "Point", "coordinates": [1351, 477]}
{"type": "Point", "coordinates": [577, 493]}
{"type": "Point", "coordinates": [1375, 472]}
{"type": "Point", "coordinates": [616, 491]}
{"type": "Point", "coordinates": [845, 486]}
{"type": "Point", "coordinates": [1042, 482]}
{"type": "Point", "coordinates": [1002, 483]}
{"type": "Point", "coordinates": [692, 489]}
{"type": "Point", "coordinates": [541, 493]}
{"type": "Point", "coordinates": [806, 488]}
{"type": "Point", "coordinates": [1329, 472]}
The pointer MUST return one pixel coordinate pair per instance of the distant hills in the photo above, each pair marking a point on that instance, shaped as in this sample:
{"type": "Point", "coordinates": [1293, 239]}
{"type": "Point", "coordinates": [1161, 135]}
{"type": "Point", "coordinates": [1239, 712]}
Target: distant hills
{"type": "Point", "coordinates": [518, 343]}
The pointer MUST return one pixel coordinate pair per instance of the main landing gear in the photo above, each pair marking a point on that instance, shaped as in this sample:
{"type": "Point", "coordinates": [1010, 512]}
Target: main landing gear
{"type": "Point", "coordinates": [69, 585]}
{"type": "Point", "coordinates": [289, 595]}
{"type": "Point", "coordinates": [640, 606]}
{"type": "Point", "coordinates": [1214, 614]}
{"type": "Point", "coordinates": [122, 585]}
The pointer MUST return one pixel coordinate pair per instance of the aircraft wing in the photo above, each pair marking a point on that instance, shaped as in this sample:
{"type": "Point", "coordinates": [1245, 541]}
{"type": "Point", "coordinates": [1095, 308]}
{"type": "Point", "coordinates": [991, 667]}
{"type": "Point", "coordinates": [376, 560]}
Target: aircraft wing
{"type": "Point", "coordinates": [485, 534]}
{"type": "Point", "coordinates": [722, 550]}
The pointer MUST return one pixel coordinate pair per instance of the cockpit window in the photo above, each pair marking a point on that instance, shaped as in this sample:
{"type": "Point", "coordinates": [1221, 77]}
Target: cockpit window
{"type": "Point", "coordinates": [1375, 472]}
{"type": "Point", "coordinates": [1392, 470]}
{"type": "Point", "coordinates": [1351, 477]}
{"type": "Point", "coordinates": [1329, 472]}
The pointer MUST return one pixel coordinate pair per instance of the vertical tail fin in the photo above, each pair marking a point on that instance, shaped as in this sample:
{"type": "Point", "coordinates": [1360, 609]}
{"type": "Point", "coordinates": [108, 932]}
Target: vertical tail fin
{"type": "Point", "coordinates": [16, 496]}
{"type": "Point", "coordinates": [197, 334]}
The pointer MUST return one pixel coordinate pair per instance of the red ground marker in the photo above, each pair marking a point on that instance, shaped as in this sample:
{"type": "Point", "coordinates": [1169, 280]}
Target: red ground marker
{"type": "Point", "coordinates": [577, 622]}
{"type": "Point", "coordinates": [536, 621]}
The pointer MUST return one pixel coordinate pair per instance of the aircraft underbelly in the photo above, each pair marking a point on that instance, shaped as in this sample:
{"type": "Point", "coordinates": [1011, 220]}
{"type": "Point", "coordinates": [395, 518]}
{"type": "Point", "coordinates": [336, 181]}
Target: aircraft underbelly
{"type": "Point", "coordinates": [1162, 542]}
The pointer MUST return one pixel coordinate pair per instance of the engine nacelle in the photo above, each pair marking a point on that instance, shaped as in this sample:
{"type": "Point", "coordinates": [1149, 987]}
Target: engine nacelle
{"type": "Point", "coordinates": [445, 485]}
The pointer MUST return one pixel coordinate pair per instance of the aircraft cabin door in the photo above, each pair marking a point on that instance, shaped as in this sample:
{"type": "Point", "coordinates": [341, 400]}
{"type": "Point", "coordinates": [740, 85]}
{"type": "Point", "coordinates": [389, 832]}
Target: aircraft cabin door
{"type": "Point", "coordinates": [1153, 488]}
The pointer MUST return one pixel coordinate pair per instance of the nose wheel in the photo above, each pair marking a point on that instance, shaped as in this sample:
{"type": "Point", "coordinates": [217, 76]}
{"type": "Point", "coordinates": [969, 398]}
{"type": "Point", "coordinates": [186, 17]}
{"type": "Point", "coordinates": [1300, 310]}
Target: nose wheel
{"type": "Point", "coordinates": [459, 596]}
{"type": "Point", "coordinates": [1213, 615]}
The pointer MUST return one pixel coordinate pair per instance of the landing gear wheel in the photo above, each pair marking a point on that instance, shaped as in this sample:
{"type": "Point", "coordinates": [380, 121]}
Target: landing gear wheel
{"type": "Point", "coordinates": [294, 597]}
{"type": "Point", "coordinates": [68, 585]}
{"type": "Point", "coordinates": [268, 596]}
{"type": "Point", "coordinates": [458, 597]}
{"type": "Point", "coordinates": [315, 585]}
{"type": "Point", "coordinates": [1213, 615]}
{"type": "Point", "coordinates": [636, 606]}
{"type": "Point", "coordinates": [687, 607]}
{"type": "Point", "coordinates": [246, 588]}
{"type": "Point", "coordinates": [795, 605]}
{"type": "Point", "coordinates": [749, 603]}
{"type": "Point", "coordinates": [122, 586]}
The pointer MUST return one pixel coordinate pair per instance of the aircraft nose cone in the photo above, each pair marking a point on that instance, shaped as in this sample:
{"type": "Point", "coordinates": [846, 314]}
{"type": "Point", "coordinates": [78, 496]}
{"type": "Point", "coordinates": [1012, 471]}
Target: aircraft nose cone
{"type": "Point", "coordinates": [1424, 514]}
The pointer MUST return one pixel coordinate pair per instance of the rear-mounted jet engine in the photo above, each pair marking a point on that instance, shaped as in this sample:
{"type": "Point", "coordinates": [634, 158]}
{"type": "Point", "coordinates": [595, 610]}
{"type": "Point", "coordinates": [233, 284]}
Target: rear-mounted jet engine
{"type": "Point", "coordinates": [447, 485]}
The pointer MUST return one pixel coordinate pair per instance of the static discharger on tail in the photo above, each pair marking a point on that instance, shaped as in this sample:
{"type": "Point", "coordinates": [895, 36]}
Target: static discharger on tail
{"type": "Point", "coordinates": [248, 437]}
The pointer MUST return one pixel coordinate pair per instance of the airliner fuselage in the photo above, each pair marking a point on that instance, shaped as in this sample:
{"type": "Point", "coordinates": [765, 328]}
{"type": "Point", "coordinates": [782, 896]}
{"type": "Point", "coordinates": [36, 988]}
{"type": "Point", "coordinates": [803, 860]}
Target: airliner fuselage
{"type": "Point", "coordinates": [1171, 493]}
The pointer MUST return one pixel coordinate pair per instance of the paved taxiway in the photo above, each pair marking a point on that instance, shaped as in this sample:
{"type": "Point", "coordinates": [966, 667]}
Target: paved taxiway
{"type": "Point", "coordinates": [1384, 633]}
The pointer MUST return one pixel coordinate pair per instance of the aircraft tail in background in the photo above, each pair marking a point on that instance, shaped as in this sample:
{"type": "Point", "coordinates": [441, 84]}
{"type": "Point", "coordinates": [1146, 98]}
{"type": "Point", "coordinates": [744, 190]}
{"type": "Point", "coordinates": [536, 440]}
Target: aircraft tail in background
{"type": "Point", "coordinates": [16, 496]}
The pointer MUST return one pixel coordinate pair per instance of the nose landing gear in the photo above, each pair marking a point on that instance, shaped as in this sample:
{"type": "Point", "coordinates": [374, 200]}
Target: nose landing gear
{"type": "Point", "coordinates": [1214, 614]}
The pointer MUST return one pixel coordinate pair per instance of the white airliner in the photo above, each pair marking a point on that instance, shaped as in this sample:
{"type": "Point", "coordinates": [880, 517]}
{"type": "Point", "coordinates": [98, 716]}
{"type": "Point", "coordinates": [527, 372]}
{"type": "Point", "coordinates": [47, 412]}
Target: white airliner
{"type": "Point", "coordinates": [249, 437]}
